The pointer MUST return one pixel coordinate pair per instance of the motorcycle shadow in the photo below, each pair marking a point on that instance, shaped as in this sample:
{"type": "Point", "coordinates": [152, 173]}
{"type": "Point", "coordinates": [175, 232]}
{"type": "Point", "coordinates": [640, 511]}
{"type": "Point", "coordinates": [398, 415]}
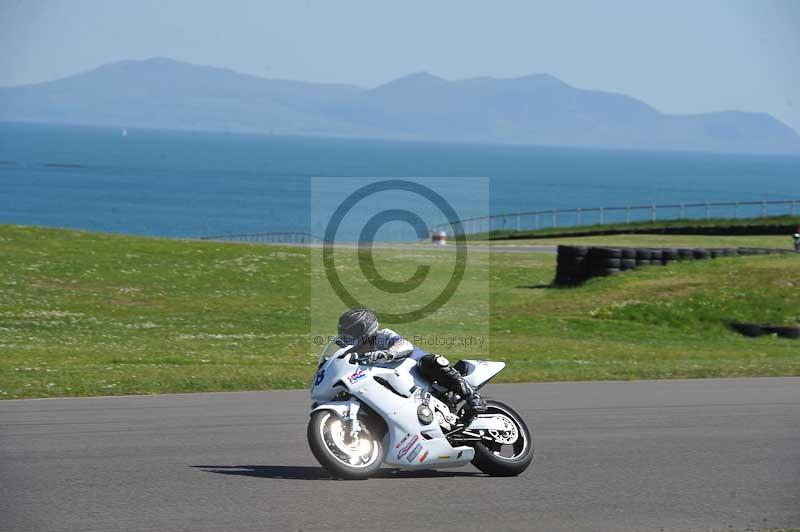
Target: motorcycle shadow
{"type": "Point", "coordinates": [317, 473]}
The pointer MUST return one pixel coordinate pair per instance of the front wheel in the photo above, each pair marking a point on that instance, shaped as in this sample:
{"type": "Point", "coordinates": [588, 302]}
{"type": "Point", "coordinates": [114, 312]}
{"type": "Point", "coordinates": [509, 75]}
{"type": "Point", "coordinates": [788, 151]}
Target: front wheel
{"type": "Point", "coordinates": [342, 456]}
{"type": "Point", "coordinates": [511, 452]}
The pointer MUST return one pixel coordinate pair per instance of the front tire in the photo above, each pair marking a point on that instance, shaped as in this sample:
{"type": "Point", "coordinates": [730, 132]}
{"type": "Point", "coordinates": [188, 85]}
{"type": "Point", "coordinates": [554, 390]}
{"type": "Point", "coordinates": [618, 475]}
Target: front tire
{"type": "Point", "coordinates": [342, 457]}
{"type": "Point", "coordinates": [505, 459]}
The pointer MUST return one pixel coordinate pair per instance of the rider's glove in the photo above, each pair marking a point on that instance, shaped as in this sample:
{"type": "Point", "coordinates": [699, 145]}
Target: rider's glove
{"type": "Point", "coordinates": [373, 357]}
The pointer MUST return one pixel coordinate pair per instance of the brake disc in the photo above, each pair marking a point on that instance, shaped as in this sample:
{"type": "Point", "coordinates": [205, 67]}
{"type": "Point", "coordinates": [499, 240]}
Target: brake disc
{"type": "Point", "coordinates": [509, 435]}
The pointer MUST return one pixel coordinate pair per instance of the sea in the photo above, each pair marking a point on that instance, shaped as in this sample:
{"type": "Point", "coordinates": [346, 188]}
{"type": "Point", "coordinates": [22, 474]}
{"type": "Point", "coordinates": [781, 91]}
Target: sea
{"type": "Point", "coordinates": [193, 184]}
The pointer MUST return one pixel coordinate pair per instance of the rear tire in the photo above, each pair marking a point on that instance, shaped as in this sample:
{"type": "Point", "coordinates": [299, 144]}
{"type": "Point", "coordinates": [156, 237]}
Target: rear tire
{"type": "Point", "coordinates": [331, 449]}
{"type": "Point", "coordinates": [487, 457]}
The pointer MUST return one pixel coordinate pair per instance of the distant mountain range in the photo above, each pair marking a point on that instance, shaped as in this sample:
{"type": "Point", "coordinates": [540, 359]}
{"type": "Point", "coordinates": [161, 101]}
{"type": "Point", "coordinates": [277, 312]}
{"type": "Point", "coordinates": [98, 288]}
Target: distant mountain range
{"type": "Point", "coordinates": [536, 109]}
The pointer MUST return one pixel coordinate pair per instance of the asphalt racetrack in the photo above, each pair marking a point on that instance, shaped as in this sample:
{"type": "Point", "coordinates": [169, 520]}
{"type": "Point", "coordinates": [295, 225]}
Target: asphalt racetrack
{"type": "Point", "coordinates": [616, 456]}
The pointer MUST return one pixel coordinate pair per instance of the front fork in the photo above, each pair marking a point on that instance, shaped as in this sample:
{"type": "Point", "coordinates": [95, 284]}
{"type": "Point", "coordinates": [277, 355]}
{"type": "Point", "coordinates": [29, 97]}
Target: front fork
{"type": "Point", "coordinates": [352, 418]}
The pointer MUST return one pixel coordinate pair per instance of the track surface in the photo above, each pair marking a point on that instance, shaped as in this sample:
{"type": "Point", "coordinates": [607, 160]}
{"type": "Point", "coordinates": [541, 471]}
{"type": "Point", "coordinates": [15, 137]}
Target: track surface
{"type": "Point", "coordinates": [661, 455]}
{"type": "Point", "coordinates": [481, 248]}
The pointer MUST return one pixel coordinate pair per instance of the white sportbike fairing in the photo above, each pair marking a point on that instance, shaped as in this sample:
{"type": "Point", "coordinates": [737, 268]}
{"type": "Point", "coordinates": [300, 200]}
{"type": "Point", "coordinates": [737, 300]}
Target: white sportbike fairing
{"type": "Point", "coordinates": [364, 416]}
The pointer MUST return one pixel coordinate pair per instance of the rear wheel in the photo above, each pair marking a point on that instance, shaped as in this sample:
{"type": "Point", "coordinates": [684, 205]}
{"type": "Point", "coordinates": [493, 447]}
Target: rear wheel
{"type": "Point", "coordinates": [511, 452]}
{"type": "Point", "coordinates": [342, 456]}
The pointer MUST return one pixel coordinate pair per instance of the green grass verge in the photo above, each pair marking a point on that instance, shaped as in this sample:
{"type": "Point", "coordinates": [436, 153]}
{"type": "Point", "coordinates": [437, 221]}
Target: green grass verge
{"type": "Point", "coordinates": [93, 314]}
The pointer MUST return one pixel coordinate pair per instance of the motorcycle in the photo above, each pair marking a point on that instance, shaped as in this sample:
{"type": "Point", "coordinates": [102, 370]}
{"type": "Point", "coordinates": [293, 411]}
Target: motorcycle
{"type": "Point", "coordinates": [364, 416]}
{"type": "Point", "coordinates": [797, 241]}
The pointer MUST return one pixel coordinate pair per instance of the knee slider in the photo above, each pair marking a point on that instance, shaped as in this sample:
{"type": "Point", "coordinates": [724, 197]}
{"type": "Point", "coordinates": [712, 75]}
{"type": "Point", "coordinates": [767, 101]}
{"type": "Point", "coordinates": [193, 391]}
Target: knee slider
{"type": "Point", "coordinates": [441, 361]}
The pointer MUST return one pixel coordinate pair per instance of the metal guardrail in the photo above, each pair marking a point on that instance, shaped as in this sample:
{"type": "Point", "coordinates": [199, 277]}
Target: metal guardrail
{"type": "Point", "coordinates": [290, 237]}
{"type": "Point", "coordinates": [564, 218]}
{"type": "Point", "coordinates": [550, 218]}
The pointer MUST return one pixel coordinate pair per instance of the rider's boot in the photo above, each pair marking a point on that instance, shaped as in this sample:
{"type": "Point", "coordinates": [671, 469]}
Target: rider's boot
{"type": "Point", "coordinates": [474, 402]}
{"type": "Point", "coordinates": [439, 369]}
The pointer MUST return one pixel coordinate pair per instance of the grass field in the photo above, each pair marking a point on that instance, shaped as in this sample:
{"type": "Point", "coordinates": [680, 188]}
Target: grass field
{"type": "Point", "coordinates": [93, 314]}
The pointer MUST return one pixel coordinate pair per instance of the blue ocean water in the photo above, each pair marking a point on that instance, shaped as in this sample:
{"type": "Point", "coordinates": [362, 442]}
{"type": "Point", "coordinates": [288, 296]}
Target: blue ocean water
{"type": "Point", "coordinates": [173, 183]}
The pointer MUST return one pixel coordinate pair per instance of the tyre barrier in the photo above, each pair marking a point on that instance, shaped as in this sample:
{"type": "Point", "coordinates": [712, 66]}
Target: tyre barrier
{"type": "Point", "coordinates": [572, 266]}
{"type": "Point", "coordinates": [576, 264]}
{"type": "Point", "coordinates": [656, 256]}
{"type": "Point", "coordinates": [669, 255]}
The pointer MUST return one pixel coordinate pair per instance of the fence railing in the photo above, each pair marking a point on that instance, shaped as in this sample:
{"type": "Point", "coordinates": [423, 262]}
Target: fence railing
{"type": "Point", "coordinates": [290, 237]}
{"type": "Point", "coordinates": [555, 218]}
{"type": "Point", "coordinates": [565, 218]}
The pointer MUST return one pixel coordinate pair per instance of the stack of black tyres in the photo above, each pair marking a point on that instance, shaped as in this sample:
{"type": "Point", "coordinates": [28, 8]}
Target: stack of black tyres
{"type": "Point", "coordinates": [643, 257]}
{"type": "Point", "coordinates": [571, 266]}
{"type": "Point", "coordinates": [628, 259]}
{"type": "Point", "coordinates": [669, 255]}
{"type": "Point", "coordinates": [604, 261]}
{"type": "Point", "coordinates": [576, 264]}
{"type": "Point", "coordinates": [655, 256]}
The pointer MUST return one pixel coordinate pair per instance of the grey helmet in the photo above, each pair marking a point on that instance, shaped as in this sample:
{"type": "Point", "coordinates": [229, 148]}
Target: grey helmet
{"type": "Point", "coordinates": [357, 325]}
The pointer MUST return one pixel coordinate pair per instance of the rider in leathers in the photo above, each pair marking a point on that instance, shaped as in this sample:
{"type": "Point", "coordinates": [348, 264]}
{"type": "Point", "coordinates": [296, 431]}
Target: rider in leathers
{"type": "Point", "coordinates": [359, 327]}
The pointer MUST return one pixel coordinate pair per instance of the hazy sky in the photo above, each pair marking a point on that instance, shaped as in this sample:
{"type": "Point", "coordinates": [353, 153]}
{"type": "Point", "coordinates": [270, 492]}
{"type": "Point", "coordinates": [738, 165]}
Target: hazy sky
{"type": "Point", "coordinates": [680, 57]}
